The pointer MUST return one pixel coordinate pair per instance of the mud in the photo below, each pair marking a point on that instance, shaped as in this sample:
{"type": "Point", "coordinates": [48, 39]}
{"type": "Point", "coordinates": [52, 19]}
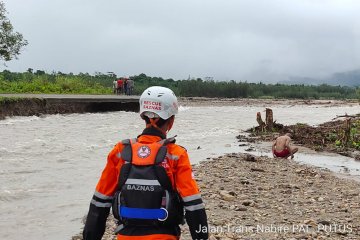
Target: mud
{"type": "Point", "coordinates": [37, 106]}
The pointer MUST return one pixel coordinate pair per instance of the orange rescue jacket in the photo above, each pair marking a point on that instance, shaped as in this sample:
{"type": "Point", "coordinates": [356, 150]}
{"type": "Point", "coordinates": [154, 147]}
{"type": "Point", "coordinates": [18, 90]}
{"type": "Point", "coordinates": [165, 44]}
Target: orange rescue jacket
{"type": "Point", "coordinates": [179, 171]}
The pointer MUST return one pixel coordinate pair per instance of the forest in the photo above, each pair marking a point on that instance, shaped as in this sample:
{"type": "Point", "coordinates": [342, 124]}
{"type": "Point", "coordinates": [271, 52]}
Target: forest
{"type": "Point", "coordinates": [101, 83]}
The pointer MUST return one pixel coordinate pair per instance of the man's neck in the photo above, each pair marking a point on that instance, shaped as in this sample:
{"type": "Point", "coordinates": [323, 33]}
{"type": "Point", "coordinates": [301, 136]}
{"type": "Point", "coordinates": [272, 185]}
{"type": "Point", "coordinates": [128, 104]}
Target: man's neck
{"type": "Point", "coordinates": [154, 132]}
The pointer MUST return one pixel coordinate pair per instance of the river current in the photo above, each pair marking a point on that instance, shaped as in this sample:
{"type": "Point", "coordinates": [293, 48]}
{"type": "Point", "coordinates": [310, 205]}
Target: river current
{"type": "Point", "coordinates": [50, 164]}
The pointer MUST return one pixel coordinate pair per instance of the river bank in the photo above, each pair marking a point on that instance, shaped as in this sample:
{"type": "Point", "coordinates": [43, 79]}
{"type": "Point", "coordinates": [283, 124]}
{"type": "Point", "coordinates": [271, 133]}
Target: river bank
{"type": "Point", "coordinates": [250, 197]}
{"type": "Point", "coordinates": [40, 104]}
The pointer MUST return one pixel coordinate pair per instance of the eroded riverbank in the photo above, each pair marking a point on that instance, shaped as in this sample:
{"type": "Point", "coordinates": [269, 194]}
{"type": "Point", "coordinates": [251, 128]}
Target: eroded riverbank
{"type": "Point", "coordinates": [40, 104]}
{"type": "Point", "coordinates": [250, 197]}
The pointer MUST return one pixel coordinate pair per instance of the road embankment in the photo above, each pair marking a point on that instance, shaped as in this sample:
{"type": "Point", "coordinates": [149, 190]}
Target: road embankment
{"type": "Point", "coordinates": [29, 105]}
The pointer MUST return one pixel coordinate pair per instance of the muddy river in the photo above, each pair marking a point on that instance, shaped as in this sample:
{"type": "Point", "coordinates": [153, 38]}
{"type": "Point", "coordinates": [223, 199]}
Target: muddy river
{"type": "Point", "coordinates": [50, 165]}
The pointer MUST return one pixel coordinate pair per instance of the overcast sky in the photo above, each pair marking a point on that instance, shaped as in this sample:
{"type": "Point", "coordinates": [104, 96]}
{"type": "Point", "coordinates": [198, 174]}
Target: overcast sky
{"type": "Point", "coordinates": [249, 40]}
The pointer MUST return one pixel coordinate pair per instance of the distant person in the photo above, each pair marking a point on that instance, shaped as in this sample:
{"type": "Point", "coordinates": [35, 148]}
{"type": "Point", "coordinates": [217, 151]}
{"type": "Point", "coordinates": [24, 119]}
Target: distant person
{"type": "Point", "coordinates": [281, 147]}
{"type": "Point", "coordinates": [125, 85]}
{"type": "Point", "coordinates": [130, 87]}
{"type": "Point", "coordinates": [120, 84]}
{"type": "Point", "coordinates": [115, 86]}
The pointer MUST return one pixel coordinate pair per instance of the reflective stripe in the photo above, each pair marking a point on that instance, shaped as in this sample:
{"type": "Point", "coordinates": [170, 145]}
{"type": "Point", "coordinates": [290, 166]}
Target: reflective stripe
{"type": "Point", "coordinates": [172, 157]}
{"type": "Point", "coordinates": [118, 155]}
{"type": "Point", "coordinates": [100, 204]}
{"type": "Point", "coordinates": [195, 207]}
{"type": "Point", "coordinates": [192, 197]}
{"type": "Point", "coordinates": [102, 196]}
{"type": "Point", "coordinates": [142, 182]}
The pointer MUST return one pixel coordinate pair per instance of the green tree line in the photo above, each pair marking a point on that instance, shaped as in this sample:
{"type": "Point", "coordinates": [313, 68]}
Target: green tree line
{"type": "Point", "coordinates": [100, 83]}
{"type": "Point", "coordinates": [11, 42]}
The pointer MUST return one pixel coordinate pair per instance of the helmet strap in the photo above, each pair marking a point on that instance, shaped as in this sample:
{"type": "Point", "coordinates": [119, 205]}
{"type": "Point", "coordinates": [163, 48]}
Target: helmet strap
{"type": "Point", "coordinates": [152, 123]}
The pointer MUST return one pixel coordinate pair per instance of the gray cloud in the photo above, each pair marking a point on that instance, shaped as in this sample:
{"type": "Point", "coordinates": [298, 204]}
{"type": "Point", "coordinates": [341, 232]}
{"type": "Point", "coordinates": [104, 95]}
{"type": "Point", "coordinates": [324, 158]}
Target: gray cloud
{"type": "Point", "coordinates": [243, 40]}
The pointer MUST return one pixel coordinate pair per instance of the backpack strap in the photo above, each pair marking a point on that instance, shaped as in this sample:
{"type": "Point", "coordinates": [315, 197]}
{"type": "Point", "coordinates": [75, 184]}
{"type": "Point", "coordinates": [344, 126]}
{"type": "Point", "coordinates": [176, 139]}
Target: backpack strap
{"type": "Point", "coordinates": [160, 171]}
{"type": "Point", "coordinates": [161, 154]}
{"type": "Point", "coordinates": [163, 178]}
{"type": "Point", "coordinates": [170, 140]}
{"type": "Point", "coordinates": [126, 155]}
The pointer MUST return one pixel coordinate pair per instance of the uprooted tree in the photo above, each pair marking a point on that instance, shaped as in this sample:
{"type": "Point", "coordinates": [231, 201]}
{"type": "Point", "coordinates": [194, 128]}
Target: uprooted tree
{"type": "Point", "coordinates": [11, 42]}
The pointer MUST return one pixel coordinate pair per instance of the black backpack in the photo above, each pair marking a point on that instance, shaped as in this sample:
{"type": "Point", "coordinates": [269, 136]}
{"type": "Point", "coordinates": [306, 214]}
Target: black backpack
{"type": "Point", "coordinates": [145, 196]}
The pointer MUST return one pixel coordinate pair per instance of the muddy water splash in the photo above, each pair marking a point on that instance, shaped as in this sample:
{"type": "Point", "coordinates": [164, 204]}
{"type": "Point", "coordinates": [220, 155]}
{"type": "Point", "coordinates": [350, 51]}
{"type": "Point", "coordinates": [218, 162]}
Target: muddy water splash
{"type": "Point", "coordinates": [50, 165]}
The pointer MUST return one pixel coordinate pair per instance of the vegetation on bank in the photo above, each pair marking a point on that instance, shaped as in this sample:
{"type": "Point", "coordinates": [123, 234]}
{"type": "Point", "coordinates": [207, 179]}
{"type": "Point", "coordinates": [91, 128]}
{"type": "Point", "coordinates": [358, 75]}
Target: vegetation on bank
{"type": "Point", "coordinates": [340, 136]}
{"type": "Point", "coordinates": [347, 138]}
{"type": "Point", "coordinates": [41, 82]}
{"type": "Point", "coordinates": [4, 100]}
{"type": "Point", "coordinates": [99, 83]}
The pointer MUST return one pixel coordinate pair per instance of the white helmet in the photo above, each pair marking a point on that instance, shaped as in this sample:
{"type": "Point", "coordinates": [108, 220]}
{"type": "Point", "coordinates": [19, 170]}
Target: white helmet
{"type": "Point", "coordinates": [158, 102]}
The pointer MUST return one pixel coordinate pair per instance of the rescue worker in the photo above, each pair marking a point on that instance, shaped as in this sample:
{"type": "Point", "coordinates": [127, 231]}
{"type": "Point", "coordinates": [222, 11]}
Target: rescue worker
{"type": "Point", "coordinates": [158, 107]}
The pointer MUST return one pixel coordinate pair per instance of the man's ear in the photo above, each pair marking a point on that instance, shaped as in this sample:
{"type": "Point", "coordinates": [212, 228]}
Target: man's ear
{"type": "Point", "coordinates": [171, 122]}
